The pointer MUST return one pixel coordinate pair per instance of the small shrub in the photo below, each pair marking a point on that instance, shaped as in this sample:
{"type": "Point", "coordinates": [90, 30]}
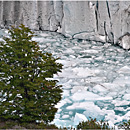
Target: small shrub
{"type": "Point", "coordinates": [93, 124]}
{"type": "Point", "coordinates": [125, 125]}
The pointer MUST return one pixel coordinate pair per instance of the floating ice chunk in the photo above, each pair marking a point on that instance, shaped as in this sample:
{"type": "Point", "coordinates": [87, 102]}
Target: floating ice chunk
{"type": "Point", "coordinates": [84, 72]}
{"type": "Point", "coordinates": [42, 39]}
{"type": "Point", "coordinates": [67, 100]}
{"type": "Point", "coordinates": [62, 103]}
{"type": "Point", "coordinates": [124, 69]}
{"type": "Point", "coordinates": [101, 58]}
{"type": "Point", "coordinates": [68, 73]}
{"type": "Point", "coordinates": [112, 87]}
{"type": "Point", "coordinates": [84, 95]}
{"type": "Point", "coordinates": [44, 34]}
{"type": "Point", "coordinates": [88, 96]}
{"type": "Point", "coordinates": [58, 122]}
{"type": "Point", "coordinates": [67, 63]}
{"type": "Point", "coordinates": [105, 98]}
{"type": "Point", "coordinates": [94, 112]}
{"type": "Point", "coordinates": [66, 93]}
{"type": "Point", "coordinates": [122, 80]}
{"type": "Point", "coordinates": [127, 115]}
{"type": "Point", "coordinates": [90, 109]}
{"type": "Point", "coordinates": [90, 51]}
{"type": "Point", "coordinates": [119, 109]}
{"type": "Point", "coordinates": [57, 116]}
{"type": "Point", "coordinates": [74, 106]}
{"type": "Point", "coordinates": [62, 123]}
{"type": "Point", "coordinates": [64, 62]}
{"type": "Point", "coordinates": [69, 50]}
{"type": "Point", "coordinates": [79, 118]}
{"type": "Point", "coordinates": [88, 106]}
{"type": "Point", "coordinates": [126, 97]}
{"type": "Point", "coordinates": [6, 31]}
{"type": "Point", "coordinates": [100, 88]}
{"type": "Point", "coordinates": [112, 117]}
{"type": "Point", "coordinates": [78, 88]}
{"type": "Point", "coordinates": [70, 112]}
{"type": "Point", "coordinates": [65, 116]}
{"type": "Point", "coordinates": [120, 103]}
{"type": "Point", "coordinates": [76, 47]}
{"type": "Point", "coordinates": [95, 80]}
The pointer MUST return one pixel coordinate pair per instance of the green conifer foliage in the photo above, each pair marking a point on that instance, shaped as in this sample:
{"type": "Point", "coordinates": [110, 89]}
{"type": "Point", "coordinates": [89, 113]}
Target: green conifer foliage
{"type": "Point", "coordinates": [25, 92]}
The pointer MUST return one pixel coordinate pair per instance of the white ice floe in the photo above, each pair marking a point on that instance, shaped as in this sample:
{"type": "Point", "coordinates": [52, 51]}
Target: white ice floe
{"type": "Point", "coordinates": [62, 123]}
{"type": "Point", "coordinates": [68, 73]}
{"type": "Point", "coordinates": [100, 88]}
{"type": "Point", "coordinates": [66, 63]}
{"type": "Point", "coordinates": [120, 103]}
{"type": "Point", "coordinates": [127, 116]}
{"type": "Point", "coordinates": [112, 118]}
{"type": "Point", "coordinates": [42, 39]}
{"type": "Point", "coordinates": [69, 51]}
{"type": "Point", "coordinates": [123, 80]}
{"type": "Point", "coordinates": [78, 89]}
{"type": "Point", "coordinates": [65, 116]}
{"type": "Point", "coordinates": [119, 109]}
{"type": "Point", "coordinates": [63, 102]}
{"type": "Point", "coordinates": [124, 69]}
{"type": "Point", "coordinates": [60, 104]}
{"type": "Point", "coordinates": [79, 118]}
{"type": "Point", "coordinates": [85, 72]}
{"type": "Point", "coordinates": [126, 97]}
{"type": "Point", "coordinates": [66, 93]}
{"type": "Point", "coordinates": [112, 87]}
{"type": "Point", "coordinates": [44, 34]}
{"type": "Point", "coordinates": [84, 95]}
{"type": "Point", "coordinates": [85, 106]}
{"type": "Point", "coordinates": [90, 51]}
{"type": "Point", "coordinates": [57, 116]}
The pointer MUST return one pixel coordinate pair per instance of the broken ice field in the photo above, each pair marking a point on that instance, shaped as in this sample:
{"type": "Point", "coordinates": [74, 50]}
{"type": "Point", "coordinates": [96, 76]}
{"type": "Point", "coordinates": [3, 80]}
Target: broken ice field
{"type": "Point", "coordinates": [95, 79]}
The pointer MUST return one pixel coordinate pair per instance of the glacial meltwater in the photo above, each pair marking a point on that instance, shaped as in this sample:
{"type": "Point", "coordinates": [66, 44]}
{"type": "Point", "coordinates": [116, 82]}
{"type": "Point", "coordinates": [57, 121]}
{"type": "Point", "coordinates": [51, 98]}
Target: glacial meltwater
{"type": "Point", "coordinates": [95, 79]}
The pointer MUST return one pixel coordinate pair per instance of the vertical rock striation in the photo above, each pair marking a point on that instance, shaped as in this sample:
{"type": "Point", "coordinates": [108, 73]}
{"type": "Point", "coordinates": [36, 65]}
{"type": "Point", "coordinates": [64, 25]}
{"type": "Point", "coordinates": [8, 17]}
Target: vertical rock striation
{"type": "Point", "coordinates": [105, 21]}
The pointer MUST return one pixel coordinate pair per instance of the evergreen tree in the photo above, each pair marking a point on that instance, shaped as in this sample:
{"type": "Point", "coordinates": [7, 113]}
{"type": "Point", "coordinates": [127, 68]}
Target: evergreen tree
{"type": "Point", "coordinates": [26, 93]}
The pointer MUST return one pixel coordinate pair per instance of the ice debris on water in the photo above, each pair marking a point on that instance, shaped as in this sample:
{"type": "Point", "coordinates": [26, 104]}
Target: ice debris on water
{"type": "Point", "coordinates": [95, 80]}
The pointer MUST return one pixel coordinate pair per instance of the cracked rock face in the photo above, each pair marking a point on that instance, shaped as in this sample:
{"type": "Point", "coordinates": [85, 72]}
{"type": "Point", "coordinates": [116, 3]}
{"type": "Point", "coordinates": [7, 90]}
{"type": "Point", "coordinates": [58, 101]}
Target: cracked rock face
{"type": "Point", "coordinates": [105, 21]}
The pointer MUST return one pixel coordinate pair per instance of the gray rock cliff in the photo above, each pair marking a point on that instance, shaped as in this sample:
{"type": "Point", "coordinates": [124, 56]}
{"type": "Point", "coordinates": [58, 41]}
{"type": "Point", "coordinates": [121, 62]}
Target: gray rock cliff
{"type": "Point", "coordinates": [105, 21]}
